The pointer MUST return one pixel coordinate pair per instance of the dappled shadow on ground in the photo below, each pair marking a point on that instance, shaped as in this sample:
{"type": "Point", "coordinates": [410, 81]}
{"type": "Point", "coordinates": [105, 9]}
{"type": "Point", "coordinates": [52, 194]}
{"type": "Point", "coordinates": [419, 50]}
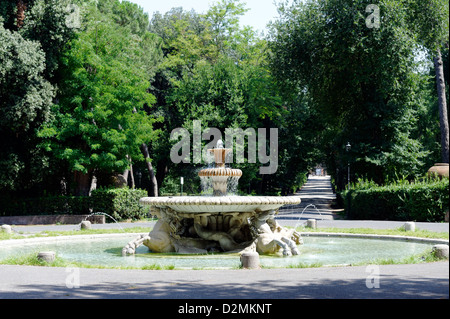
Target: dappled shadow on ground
{"type": "Point", "coordinates": [390, 287]}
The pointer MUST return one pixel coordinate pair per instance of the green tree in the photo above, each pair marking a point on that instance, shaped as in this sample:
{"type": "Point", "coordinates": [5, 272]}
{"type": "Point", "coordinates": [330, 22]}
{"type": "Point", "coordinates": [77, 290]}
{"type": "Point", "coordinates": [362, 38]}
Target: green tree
{"type": "Point", "coordinates": [187, 41]}
{"type": "Point", "coordinates": [429, 20]}
{"type": "Point", "coordinates": [49, 22]}
{"type": "Point", "coordinates": [100, 122]}
{"type": "Point", "coordinates": [361, 80]}
{"type": "Point", "coordinates": [217, 72]}
{"type": "Point", "coordinates": [223, 17]}
{"type": "Point", "coordinates": [25, 101]}
{"type": "Point", "coordinates": [32, 32]}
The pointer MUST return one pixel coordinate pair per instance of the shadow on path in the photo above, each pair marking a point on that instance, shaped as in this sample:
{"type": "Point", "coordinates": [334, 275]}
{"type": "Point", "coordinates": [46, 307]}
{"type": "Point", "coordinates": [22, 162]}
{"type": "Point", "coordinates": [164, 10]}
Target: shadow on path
{"type": "Point", "coordinates": [299, 283]}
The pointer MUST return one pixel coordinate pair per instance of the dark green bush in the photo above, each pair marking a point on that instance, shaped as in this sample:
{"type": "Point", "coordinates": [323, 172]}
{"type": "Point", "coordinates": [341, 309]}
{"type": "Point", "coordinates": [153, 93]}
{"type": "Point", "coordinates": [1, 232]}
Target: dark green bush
{"type": "Point", "coordinates": [120, 203]}
{"type": "Point", "coordinates": [48, 205]}
{"type": "Point", "coordinates": [424, 201]}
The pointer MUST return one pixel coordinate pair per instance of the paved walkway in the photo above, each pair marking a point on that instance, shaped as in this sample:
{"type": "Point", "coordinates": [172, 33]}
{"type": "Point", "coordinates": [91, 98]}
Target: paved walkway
{"type": "Point", "coordinates": [317, 198]}
{"type": "Point", "coordinates": [429, 280]}
{"type": "Point", "coordinates": [395, 281]}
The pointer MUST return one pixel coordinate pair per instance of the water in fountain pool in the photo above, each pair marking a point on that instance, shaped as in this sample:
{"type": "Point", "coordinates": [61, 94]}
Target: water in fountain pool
{"type": "Point", "coordinates": [106, 251]}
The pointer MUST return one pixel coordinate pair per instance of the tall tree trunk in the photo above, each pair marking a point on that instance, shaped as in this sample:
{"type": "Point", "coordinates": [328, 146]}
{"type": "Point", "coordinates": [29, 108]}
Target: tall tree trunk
{"type": "Point", "coordinates": [442, 101]}
{"type": "Point", "coordinates": [133, 185]}
{"type": "Point", "coordinates": [144, 150]}
{"type": "Point", "coordinates": [93, 184]}
{"type": "Point", "coordinates": [127, 172]}
{"type": "Point", "coordinates": [162, 169]}
{"type": "Point", "coordinates": [125, 175]}
{"type": "Point", "coordinates": [20, 16]}
{"type": "Point", "coordinates": [82, 183]}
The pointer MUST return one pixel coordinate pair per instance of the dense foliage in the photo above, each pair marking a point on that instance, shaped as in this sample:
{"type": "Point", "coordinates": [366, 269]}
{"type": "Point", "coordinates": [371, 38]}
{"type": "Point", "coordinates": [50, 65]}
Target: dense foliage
{"type": "Point", "coordinates": [119, 203]}
{"type": "Point", "coordinates": [90, 91]}
{"type": "Point", "coordinates": [28, 76]}
{"type": "Point", "coordinates": [366, 82]}
{"type": "Point", "coordinates": [423, 201]}
{"type": "Point", "coordinates": [99, 120]}
{"type": "Point", "coordinates": [45, 205]}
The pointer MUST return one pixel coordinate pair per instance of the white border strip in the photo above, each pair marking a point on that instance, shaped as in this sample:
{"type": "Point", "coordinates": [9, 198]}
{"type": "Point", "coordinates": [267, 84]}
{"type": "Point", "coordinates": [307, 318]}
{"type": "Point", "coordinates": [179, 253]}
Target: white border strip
{"type": "Point", "coordinates": [52, 239]}
{"type": "Point", "coordinates": [55, 239]}
{"type": "Point", "coordinates": [375, 236]}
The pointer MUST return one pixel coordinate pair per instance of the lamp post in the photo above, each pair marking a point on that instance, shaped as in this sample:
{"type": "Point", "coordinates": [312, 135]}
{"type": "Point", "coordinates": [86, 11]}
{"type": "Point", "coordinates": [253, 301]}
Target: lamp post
{"type": "Point", "coordinates": [348, 147]}
{"type": "Point", "coordinates": [181, 182]}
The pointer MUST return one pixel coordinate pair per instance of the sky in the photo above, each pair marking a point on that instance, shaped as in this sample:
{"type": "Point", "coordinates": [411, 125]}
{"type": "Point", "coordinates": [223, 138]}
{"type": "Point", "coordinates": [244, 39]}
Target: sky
{"type": "Point", "coordinates": [261, 11]}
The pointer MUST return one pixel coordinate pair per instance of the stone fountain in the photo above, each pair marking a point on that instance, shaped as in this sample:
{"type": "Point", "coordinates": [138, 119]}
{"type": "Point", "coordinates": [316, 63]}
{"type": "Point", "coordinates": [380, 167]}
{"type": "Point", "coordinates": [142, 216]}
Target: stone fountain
{"type": "Point", "coordinates": [218, 223]}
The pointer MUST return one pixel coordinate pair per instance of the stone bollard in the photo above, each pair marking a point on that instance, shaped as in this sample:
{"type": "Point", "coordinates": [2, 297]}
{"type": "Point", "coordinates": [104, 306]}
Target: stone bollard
{"type": "Point", "coordinates": [47, 256]}
{"type": "Point", "coordinates": [85, 224]}
{"type": "Point", "coordinates": [441, 251]}
{"type": "Point", "coordinates": [410, 226]}
{"type": "Point", "coordinates": [311, 223]}
{"type": "Point", "coordinates": [250, 260]}
{"type": "Point", "coordinates": [6, 229]}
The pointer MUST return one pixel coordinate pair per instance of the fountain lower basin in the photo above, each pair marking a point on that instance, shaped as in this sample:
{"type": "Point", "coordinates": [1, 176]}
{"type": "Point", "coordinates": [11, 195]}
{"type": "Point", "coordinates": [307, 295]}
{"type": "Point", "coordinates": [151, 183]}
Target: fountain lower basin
{"type": "Point", "coordinates": [105, 250]}
{"type": "Point", "coordinates": [222, 204]}
{"type": "Point", "coordinates": [202, 224]}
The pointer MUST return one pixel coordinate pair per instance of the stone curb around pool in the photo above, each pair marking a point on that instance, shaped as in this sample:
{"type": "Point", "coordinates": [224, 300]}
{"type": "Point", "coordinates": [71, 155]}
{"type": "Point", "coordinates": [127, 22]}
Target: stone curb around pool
{"type": "Point", "coordinates": [56, 239]}
{"type": "Point", "coordinates": [374, 236]}
{"type": "Point", "coordinates": [50, 239]}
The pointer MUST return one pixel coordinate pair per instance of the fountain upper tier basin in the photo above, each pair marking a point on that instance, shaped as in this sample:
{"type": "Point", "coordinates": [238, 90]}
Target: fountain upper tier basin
{"type": "Point", "coordinates": [221, 204]}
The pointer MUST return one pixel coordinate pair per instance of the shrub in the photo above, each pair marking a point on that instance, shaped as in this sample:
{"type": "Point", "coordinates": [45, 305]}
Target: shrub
{"type": "Point", "coordinates": [48, 205]}
{"type": "Point", "coordinates": [120, 203]}
{"type": "Point", "coordinates": [424, 200]}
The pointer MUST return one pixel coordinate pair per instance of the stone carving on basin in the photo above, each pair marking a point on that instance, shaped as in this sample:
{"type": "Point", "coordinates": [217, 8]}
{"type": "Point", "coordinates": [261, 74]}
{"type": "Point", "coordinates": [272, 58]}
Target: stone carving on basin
{"type": "Point", "coordinates": [218, 223]}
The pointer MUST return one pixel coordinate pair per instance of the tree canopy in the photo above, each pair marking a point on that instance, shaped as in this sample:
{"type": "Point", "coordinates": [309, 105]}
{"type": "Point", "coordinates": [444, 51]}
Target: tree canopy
{"type": "Point", "coordinates": [91, 90]}
{"type": "Point", "coordinates": [29, 61]}
{"type": "Point", "coordinates": [364, 81]}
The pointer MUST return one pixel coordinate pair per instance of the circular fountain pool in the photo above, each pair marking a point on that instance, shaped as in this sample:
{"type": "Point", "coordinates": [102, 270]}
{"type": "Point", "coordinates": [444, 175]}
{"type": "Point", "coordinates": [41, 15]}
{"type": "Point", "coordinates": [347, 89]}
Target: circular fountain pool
{"type": "Point", "coordinates": [105, 250]}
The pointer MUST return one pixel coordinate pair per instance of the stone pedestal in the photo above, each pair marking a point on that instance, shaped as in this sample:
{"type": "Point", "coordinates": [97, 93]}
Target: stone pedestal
{"type": "Point", "coordinates": [85, 224]}
{"type": "Point", "coordinates": [311, 223]}
{"type": "Point", "coordinates": [410, 226]}
{"type": "Point", "coordinates": [250, 260]}
{"type": "Point", "coordinates": [439, 169]}
{"type": "Point", "coordinates": [6, 229]}
{"type": "Point", "coordinates": [441, 251]}
{"type": "Point", "coordinates": [47, 256]}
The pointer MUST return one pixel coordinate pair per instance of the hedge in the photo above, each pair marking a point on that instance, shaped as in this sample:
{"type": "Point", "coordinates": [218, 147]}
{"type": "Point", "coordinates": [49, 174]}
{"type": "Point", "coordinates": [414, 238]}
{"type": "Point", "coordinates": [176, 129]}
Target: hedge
{"type": "Point", "coordinates": [48, 205]}
{"type": "Point", "coordinates": [422, 201]}
{"type": "Point", "coordinates": [120, 203]}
